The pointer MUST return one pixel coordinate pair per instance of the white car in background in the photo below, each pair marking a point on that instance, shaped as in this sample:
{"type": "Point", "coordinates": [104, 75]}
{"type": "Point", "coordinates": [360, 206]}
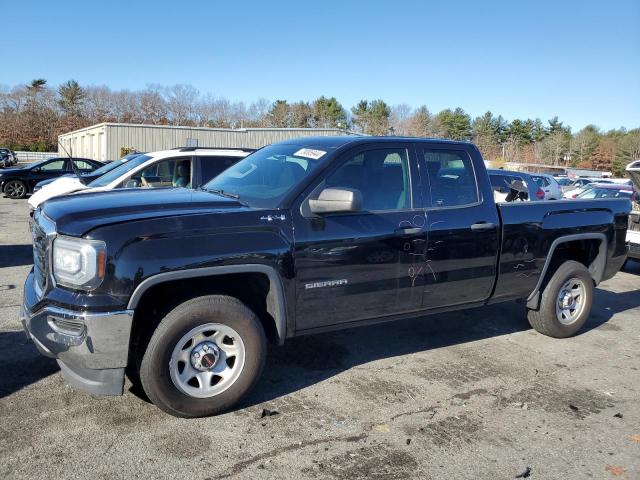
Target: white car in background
{"type": "Point", "coordinates": [189, 167]}
{"type": "Point", "coordinates": [633, 232]}
{"type": "Point", "coordinates": [549, 185]}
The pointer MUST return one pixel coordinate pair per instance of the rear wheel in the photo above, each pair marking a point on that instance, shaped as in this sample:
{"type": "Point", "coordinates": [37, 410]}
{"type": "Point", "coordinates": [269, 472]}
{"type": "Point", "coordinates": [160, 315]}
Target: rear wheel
{"type": "Point", "coordinates": [566, 301]}
{"type": "Point", "coordinates": [15, 189]}
{"type": "Point", "coordinates": [205, 355]}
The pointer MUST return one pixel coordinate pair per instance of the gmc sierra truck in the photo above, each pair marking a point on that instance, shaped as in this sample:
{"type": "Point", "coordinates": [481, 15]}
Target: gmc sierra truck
{"type": "Point", "coordinates": [184, 288]}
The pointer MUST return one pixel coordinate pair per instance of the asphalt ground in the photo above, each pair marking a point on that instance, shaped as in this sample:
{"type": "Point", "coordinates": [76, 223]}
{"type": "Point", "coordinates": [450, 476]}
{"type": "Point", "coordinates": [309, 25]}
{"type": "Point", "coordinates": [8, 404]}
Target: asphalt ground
{"type": "Point", "coordinates": [471, 394]}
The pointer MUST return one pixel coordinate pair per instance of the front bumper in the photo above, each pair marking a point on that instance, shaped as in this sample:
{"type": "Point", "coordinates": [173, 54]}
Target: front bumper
{"type": "Point", "coordinates": [91, 348]}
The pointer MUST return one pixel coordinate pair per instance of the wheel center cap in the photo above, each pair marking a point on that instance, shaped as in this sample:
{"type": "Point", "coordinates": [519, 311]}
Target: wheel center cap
{"type": "Point", "coordinates": [204, 356]}
{"type": "Point", "coordinates": [567, 300]}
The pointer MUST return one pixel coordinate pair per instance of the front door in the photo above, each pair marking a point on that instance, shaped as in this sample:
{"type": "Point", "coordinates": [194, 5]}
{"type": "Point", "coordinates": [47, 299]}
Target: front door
{"type": "Point", "coordinates": [354, 266]}
{"type": "Point", "coordinates": [463, 228]}
{"type": "Point", "coordinates": [51, 169]}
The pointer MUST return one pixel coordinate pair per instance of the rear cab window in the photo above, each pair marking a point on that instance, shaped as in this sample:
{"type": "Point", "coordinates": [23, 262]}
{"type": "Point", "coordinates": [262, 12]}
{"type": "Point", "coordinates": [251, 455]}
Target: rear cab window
{"type": "Point", "coordinates": [451, 178]}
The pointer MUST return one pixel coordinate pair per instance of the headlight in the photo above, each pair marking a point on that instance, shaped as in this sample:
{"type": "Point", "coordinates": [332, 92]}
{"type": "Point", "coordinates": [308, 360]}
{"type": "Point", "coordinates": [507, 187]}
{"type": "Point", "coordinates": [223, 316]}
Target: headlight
{"type": "Point", "coordinates": [78, 263]}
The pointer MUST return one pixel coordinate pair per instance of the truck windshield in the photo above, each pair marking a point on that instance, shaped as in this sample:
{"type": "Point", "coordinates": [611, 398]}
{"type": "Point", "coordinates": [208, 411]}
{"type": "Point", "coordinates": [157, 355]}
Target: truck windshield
{"type": "Point", "coordinates": [265, 177]}
{"type": "Point", "coordinates": [117, 172]}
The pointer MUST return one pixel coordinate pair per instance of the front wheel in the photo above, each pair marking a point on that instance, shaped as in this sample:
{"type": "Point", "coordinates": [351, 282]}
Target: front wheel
{"type": "Point", "coordinates": [205, 355]}
{"type": "Point", "coordinates": [15, 189]}
{"type": "Point", "coordinates": [566, 301]}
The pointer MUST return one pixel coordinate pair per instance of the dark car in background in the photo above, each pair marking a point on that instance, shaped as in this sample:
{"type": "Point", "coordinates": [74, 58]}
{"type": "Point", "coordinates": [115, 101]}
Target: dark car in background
{"type": "Point", "coordinates": [19, 182]}
{"type": "Point", "coordinates": [87, 177]}
{"type": "Point", "coordinates": [8, 158]}
{"type": "Point", "coordinates": [511, 186]}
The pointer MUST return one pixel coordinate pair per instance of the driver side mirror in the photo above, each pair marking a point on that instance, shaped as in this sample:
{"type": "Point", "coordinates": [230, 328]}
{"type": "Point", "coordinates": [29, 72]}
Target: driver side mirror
{"type": "Point", "coordinates": [337, 200]}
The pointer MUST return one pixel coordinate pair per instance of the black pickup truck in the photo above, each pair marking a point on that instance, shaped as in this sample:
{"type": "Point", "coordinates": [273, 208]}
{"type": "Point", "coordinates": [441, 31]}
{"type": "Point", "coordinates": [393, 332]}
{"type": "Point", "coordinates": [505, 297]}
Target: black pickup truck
{"type": "Point", "coordinates": [184, 288]}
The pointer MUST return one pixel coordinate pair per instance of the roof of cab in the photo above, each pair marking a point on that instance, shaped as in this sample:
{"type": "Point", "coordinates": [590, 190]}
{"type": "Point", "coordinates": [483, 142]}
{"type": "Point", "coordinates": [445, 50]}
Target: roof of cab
{"type": "Point", "coordinates": [342, 140]}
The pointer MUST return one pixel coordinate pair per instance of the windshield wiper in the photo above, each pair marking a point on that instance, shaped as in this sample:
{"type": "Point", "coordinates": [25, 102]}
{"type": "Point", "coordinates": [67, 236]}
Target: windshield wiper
{"type": "Point", "coordinates": [221, 192]}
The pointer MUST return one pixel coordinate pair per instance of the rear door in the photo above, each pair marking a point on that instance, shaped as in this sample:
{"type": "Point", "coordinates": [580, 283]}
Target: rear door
{"type": "Point", "coordinates": [462, 227]}
{"type": "Point", "coordinates": [362, 265]}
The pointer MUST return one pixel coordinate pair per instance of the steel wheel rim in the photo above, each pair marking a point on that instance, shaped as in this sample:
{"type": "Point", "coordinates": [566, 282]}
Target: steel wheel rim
{"type": "Point", "coordinates": [14, 189]}
{"type": "Point", "coordinates": [571, 301]}
{"type": "Point", "coordinates": [195, 379]}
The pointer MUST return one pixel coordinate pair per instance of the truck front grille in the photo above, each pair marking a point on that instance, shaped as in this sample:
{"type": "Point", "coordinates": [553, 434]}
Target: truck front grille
{"type": "Point", "coordinates": [39, 256]}
{"type": "Point", "coordinates": [42, 230]}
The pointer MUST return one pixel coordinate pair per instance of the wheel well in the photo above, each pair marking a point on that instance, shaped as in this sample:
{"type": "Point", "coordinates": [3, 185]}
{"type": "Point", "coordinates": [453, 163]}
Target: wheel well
{"type": "Point", "coordinates": [584, 251]}
{"type": "Point", "coordinates": [252, 289]}
{"type": "Point", "coordinates": [587, 251]}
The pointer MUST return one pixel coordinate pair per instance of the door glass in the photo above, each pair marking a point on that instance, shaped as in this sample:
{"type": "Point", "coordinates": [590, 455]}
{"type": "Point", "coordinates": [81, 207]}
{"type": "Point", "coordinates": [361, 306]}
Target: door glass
{"type": "Point", "coordinates": [451, 178]}
{"type": "Point", "coordinates": [171, 172]}
{"type": "Point", "coordinates": [55, 166]}
{"type": "Point", "coordinates": [82, 165]}
{"type": "Point", "coordinates": [381, 176]}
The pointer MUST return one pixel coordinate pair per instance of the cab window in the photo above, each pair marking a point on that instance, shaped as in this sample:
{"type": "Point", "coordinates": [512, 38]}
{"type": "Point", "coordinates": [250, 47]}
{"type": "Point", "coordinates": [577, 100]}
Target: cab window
{"type": "Point", "coordinates": [381, 176]}
{"type": "Point", "coordinates": [452, 179]}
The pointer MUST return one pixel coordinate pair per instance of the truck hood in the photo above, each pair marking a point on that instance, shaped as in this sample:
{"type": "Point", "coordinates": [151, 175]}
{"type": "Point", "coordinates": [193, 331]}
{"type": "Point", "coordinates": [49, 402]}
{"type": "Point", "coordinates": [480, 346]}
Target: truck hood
{"type": "Point", "coordinates": [75, 215]}
{"type": "Point", "coordinates": [60, 186]}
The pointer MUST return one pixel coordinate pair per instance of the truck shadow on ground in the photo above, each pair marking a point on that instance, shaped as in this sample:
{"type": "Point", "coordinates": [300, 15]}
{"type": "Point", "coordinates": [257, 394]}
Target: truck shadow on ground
{"type": "Point", "coordinates": [20, 363]}
{"type": "Point", "coordinates": [15, 255]}
{"type": "Point", "coordinates": [307, 360]}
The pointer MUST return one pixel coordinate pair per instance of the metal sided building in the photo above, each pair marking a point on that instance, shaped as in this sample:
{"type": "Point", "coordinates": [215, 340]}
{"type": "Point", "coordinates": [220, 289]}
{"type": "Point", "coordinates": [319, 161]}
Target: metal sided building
{"type": "Point", "coordinates": [105, 141]}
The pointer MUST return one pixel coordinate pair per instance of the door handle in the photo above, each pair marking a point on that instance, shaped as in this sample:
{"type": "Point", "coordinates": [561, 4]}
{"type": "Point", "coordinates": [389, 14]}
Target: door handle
{"type": "Point", "coordinates": [481, 226]}
{"type": "Point", "coordinates": [405, 231]}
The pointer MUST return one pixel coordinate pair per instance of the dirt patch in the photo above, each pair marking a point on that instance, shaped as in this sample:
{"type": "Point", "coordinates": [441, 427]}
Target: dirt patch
{"type": "Point", "coordinates": [555, 398]}
{"type": "Point", "coordinates": [381, 391]}
{"type": "Point", "coordinates": [466, 371]}
{"type": "Point", "coordinates": [376, 461]}
{"type": "Point", "coordinates": [453, 431]}
{"type": "Point", "coordinates": [183, 444]}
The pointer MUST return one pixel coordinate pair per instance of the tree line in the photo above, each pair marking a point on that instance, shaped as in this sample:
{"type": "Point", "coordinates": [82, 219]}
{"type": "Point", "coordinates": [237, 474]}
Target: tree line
{"type": "Point", "coordinates": [33, 115]}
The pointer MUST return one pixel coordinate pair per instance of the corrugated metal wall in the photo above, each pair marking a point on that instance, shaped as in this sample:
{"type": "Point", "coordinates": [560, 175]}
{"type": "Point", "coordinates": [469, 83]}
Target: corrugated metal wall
{"type": "Point", "coordinates": [104, 141]}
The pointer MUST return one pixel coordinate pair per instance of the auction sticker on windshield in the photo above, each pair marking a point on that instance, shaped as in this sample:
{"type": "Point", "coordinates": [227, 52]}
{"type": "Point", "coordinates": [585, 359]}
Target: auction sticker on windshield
{"type": "Point", "coordinates": [309, 153]}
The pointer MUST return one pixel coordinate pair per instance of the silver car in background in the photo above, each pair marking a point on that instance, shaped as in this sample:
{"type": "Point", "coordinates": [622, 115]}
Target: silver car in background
{"type": "Point", "coordinates": [511, 186]}
{"type": "Point", "coordinates": [549, 185]}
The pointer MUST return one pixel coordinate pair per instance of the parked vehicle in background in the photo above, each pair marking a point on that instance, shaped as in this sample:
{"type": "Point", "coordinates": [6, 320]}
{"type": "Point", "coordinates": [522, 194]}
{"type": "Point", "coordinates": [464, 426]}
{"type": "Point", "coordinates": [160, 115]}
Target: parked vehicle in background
{"type": "Point", "coordinates": [511, 186]}
{"type": "Point", "coordinates": [188, 167]}
{"type": "Point", "coordinates": [18, 182]}
{"type": "Point", "coordinates": [86, 177]}
{"type": "Point", "coordinates": [580, 185]}
{"type": "Point", "coordinates": [633, 232]}
{"type": "Point", "coordinates": [8, 158]}
{"type": "Point", "coordinates": [608, 190]}
{"type": "Point", "coordinates": [185, 287]}
{"type": "Point", "coordinates": [549, 185]}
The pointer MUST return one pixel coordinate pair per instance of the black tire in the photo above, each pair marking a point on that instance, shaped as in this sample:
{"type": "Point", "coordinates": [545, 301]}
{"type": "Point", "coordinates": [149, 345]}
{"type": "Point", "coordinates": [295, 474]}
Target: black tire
{"type": "Point", "coordinates": [155, 374]}
{"type": "Point", "coordinates": [15, 189]}
{"type": "Point", "coordinates": [545, 320]}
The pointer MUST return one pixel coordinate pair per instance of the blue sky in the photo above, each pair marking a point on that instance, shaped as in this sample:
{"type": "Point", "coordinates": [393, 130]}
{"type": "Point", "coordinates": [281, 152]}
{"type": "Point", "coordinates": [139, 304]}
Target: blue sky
{"type": "Point", "coordinates": [579, 60]}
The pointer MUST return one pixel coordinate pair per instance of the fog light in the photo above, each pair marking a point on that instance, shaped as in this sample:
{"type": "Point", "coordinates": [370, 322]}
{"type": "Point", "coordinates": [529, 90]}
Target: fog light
{"type": "Point", "coordinates": [66, 326]}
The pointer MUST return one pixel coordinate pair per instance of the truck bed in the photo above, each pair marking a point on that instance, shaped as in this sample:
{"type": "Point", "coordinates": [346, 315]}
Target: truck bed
{"type": "Point", "coordinates": [530, 229]}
